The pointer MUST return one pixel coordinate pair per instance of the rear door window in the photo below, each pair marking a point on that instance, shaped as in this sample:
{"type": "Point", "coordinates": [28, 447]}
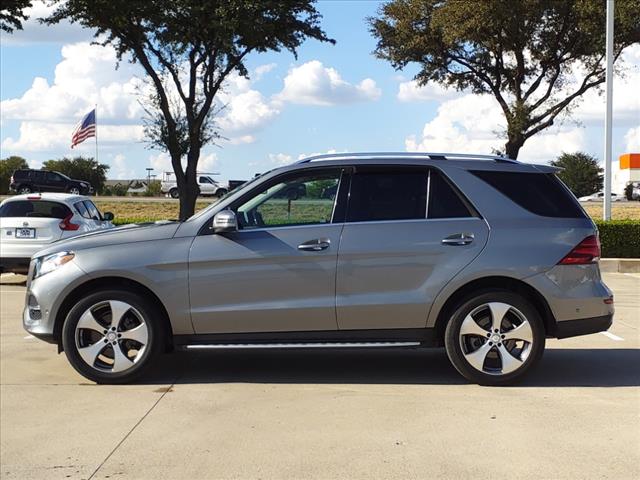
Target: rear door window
{"type": "Point", "coordinates": [35, 208]}
{"type": "Point", "coordinates": [388, 194]}
{"type": "Point", "coordinates": [444, 199]}
{"type": "Point", "coordinates": [82, 210]}
{"type": "Point", "coordinates": [94, 213]}
{"type": "Point", "coordinates": [540, 193]}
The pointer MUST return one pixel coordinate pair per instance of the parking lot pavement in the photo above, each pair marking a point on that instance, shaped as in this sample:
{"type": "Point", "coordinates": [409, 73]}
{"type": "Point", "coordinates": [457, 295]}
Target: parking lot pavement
{"type": "Point", "coordinates": [347, 414]}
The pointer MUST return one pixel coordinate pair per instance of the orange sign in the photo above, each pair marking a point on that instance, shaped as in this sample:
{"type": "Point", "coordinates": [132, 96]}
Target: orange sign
{"type": "Point", "coordinates": [630, 160]}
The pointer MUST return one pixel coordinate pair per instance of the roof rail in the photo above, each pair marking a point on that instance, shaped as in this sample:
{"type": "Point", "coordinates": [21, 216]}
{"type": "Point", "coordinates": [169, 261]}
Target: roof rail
{"type": "Point", "coordinates": [429, 155]}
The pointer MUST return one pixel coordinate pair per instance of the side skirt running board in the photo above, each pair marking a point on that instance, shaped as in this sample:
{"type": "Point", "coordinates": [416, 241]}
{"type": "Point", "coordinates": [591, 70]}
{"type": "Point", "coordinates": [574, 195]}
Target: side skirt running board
{"type": "Point", "coordinates": [222, 346]}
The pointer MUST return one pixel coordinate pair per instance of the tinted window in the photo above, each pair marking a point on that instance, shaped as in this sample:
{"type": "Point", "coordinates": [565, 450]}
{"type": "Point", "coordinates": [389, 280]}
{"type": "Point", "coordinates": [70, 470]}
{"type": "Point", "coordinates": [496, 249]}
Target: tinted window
{"type": "Point", "coordinates": [82, 210]}
{"type": "Point", "coordinates": [387, 195]}
{"type": "Point", "coordinates": [298, 200]}
{"type": "Point", "coordinates": [53, 177]}
{"type": "Point", "coordinates": [36, 208]}
{"type": "Point", "coordinates": [540, 193]}
{"type": "Point", "coordinates": [205, 180]}
{"type": "Point", "coordinates": [93, 210]}
{"type": "Point", "coordinates": [444, 201]}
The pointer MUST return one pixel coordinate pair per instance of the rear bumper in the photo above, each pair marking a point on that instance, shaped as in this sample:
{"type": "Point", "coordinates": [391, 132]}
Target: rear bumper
{"type": "Point", "coordinates": [583, 326]}
{"type": "Point", "coordinates": [14, 264]}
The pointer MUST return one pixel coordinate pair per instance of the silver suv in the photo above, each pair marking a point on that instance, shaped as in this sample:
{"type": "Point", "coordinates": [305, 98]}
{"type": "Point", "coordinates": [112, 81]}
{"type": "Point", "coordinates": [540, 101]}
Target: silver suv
{"type": "Point", "coordinates": [483, 255]}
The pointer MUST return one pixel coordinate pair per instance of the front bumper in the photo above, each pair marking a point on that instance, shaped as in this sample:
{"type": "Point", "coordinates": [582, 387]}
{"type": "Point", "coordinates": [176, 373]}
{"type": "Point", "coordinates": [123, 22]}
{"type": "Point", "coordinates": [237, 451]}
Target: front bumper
{"type": "Point", "coordinates": [583, 326]}
{"type": "Point", "coordinates": [44, 299]}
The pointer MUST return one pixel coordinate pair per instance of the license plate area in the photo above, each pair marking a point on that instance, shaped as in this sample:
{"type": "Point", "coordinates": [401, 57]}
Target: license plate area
{"type": "Point", "coordinates": [25, 233]}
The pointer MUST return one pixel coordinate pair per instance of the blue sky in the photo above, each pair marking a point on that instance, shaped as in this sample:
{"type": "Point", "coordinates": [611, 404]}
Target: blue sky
{"type": "Point", "coordinates": [331, 98]}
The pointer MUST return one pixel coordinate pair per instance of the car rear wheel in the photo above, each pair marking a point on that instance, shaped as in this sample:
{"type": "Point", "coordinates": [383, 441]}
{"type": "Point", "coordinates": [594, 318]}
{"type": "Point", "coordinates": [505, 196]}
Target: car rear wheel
{"type": "Point", "coordinates": [112, 336]}
{"type": "Point", "coordinates": [25, 189]}
{"type": "Point", "coordinates": [494, 338]}
{"type": "Point", "coordinates": [174, 193]}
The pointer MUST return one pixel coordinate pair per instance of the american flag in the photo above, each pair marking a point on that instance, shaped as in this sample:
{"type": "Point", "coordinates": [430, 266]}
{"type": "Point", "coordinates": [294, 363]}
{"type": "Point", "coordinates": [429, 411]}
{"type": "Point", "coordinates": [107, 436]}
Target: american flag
{"type": "Point", "coordinates": [85, 129]}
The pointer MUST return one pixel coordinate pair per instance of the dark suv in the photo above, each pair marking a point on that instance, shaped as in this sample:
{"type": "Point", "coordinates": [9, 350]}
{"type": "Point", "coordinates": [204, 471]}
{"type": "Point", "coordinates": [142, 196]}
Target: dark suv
{"type": "Point", "coordinates": [27, 181]}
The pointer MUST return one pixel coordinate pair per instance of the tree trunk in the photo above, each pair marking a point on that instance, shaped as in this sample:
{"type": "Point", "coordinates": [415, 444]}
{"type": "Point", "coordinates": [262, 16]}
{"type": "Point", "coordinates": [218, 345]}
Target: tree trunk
{"type": "Point", "coordinates": [513, 146]}
{"type": "Point", "coordinates": [189, 192]}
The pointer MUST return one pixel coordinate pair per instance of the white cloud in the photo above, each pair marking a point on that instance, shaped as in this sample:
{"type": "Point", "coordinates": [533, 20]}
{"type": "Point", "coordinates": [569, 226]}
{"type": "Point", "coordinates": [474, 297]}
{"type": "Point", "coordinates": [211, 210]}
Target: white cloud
{"type": "Point", "coordinates": [46, 136]}
{"type": "Point", "coordinates": [632, 139]}
{"type": "Point", "coordinates": [121, 169]}
{"type": "Point", "coordinates": [473, 124]}
{"type": "Point", "coordinates": [314, 84]}
{"type": "Point", "coordinates": [412, 92]}
{"type": "Point", "coordinates": [280, 159]}
{"type": "Point", "coordinates": [35, 32]}
{"type": "Point", "coordinates": [261, 70]}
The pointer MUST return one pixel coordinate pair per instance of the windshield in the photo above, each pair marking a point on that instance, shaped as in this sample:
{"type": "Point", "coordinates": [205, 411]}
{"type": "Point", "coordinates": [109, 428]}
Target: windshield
{"type": "Point", "coordinates": [235, 191]}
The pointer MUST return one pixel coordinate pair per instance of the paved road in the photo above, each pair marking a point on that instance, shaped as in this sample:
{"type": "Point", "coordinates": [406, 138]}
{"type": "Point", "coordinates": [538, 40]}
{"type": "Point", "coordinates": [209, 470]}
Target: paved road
{"type": "Point", "coordinates": [364, 414]}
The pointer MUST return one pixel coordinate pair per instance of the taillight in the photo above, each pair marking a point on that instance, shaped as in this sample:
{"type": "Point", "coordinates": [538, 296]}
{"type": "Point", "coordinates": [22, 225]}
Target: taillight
{"type": "Point", "coordinates": [587, 251]}
{"type": "Point", "coordinates": [66, 224]}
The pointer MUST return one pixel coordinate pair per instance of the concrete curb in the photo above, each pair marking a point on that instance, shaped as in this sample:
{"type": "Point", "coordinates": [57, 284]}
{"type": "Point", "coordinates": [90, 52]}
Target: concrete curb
{"type": "Point", "coordinates": [620, 265]}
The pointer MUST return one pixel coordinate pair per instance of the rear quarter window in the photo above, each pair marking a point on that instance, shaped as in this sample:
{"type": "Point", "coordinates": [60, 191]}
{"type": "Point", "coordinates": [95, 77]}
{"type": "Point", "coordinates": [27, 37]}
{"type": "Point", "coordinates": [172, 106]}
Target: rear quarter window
{"type": "Point", "coordinates": [35, 209]}
{"type": "Point", "coordinates": [540, 193]}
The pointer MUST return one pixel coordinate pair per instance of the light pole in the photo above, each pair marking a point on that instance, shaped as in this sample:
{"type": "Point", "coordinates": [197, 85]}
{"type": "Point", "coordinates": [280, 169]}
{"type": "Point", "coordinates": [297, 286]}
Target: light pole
{"type": "Point", "coordinates": [606, 214]}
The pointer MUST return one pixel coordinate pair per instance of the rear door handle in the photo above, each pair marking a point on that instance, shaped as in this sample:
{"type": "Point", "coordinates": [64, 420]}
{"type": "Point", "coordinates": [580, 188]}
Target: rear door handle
{"type": "Point", "coordinates": [458, 239]}
{"type": "Point", "coordinates": [315, 245]}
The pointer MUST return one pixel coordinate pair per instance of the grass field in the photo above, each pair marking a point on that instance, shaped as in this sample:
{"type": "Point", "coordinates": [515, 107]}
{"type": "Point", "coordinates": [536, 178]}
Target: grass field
{"type": "Point", "coordinates": [163, 210]}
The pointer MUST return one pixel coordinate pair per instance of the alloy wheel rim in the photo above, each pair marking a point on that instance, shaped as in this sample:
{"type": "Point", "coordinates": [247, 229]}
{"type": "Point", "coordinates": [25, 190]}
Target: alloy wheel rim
{"type": "Point", "coordinates": [74, 191]}
{"type": "Point", "coordinates": [496, 338]}
{"type": "Point", "coordinates": [111, 336]}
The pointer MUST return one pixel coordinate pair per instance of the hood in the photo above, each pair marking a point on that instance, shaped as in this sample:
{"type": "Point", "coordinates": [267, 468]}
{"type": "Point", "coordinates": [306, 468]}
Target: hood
{"type": "Point", "coordinates": [144, 232]}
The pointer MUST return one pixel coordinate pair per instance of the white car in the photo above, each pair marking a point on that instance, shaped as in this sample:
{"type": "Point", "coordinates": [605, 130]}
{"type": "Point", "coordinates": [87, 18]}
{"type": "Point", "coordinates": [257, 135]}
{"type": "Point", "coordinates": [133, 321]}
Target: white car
{"type": "Point", "coordinates": [206, 183]}
{"type": "Point", "coordinates": [599, 197]}
{"type": "Point", "coordinates": [29, 223]}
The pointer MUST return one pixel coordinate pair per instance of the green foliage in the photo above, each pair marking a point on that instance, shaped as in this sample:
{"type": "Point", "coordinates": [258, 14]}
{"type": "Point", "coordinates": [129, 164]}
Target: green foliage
{"type": "Point", "coordinates": [188, 48]}
{"type": "Point", "coordinates": [7, 167]}
{"type": "Point", "coordinates": [523, 52]}
{"type": "Point", "coordinates": [619, 238]}
{"type": "Point", "coordinates": [153, 189]}
{"type": "Point", "coordinates": [129, 220]}
{"type": "Point", "coordinates": [580, 172]}
{"type": "Point", "coordinates": [80, 168]}
{"type": "Point", "coordinates": [316, 188]}
{"type": "Point", "coordinates": [118, 190]}
{"type": "Point", "coordinates": [12, 14]}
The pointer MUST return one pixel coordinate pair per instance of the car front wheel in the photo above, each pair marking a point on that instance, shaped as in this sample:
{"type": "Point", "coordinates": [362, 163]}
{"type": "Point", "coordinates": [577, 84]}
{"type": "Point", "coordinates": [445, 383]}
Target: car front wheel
{"type": "Point", "coordinates": [112, 336]}
{"type": "Point", "coordinates": [494, 338]}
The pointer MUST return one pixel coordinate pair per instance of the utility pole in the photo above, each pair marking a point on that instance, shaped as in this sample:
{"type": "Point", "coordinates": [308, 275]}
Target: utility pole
{"type": "Point", "coordinates": [606, 214]}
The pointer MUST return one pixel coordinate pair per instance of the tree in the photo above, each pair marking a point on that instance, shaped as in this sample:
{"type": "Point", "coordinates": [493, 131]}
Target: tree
{"type": "Point", "coordinates": [580, 172]}
{"type": "Point", "coordinates": [80, 168]}
{"type": "Point", "coordinates": [188, 48]}
{"type": "Point", "coordinates": [523, 52]}
{"type": "Point", "coordinates": [7, 167]}
{"type": "Point", "coordinates": [12, 14]}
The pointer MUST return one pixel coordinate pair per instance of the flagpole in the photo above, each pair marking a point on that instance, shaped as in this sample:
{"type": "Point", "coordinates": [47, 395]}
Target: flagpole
{"type": "Point", "coordinates": [96, 118]}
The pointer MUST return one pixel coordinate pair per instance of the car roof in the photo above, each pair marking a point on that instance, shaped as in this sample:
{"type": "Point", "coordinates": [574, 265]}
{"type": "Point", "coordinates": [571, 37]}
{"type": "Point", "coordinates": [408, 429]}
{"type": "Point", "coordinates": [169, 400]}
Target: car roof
{"type": "Point", "coordinates": [56, 197]}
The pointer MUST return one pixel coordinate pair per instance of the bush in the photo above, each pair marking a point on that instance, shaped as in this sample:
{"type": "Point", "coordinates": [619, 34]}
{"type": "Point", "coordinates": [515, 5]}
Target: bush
{"type": "Point", "coordinates": [619, 238]}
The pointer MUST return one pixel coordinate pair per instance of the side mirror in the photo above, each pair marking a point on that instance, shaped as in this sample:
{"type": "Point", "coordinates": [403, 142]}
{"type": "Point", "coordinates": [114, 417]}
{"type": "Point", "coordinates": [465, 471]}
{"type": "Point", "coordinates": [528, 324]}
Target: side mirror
{"type": "Point", "coordinates": [108, 216]}
{"type": "Point", "coordinates": [225, 222]}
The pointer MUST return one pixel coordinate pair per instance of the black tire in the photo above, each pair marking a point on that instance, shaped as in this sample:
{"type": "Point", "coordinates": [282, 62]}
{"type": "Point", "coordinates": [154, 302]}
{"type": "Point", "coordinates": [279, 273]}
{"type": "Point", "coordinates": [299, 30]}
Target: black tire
{"type": "Point", "coordinates": [155, 329]}
{"type": "Point", "coordinates": [454, 342]}
{"type": "Point", "coordinates": [24, 189]}
{"type": "Point", "coordinates": [221, 192]}
{"type": "Point", "coordinates": [174, 193]}
{"type": "Point", "coordinates": [74, 191]}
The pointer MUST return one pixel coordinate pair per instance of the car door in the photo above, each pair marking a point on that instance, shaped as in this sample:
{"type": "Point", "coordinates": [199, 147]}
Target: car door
{"type": "Point", "coordinates": [278, 271]}
{"type": "Point", "coordinates": [206, 186]}
{"type": "Point", "coordinates": [54, 182]}
{"type": "Point", "coordinates": [408, 231]}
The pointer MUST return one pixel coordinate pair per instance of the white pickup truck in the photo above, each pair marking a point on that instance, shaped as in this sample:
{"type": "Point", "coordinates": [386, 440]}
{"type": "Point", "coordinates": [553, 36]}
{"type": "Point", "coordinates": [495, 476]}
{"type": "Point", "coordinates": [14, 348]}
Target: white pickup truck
{"type": "Point", "coordinates": [208, 186]}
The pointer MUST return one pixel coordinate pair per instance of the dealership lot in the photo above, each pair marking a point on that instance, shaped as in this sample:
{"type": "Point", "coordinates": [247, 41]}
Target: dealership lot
{"type": "Point", "coordinates": [347, 414]}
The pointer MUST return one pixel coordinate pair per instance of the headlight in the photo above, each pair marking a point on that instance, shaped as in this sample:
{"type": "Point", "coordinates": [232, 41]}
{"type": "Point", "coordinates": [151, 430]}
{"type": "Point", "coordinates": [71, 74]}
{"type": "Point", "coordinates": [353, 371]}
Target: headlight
{"type": "Point", "coordinates": [49, 263]}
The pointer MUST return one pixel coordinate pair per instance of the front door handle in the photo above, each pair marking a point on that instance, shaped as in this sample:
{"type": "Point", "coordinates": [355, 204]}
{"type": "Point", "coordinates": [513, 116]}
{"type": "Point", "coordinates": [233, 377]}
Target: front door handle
{"type": "Point", "coordinates": [458, 239]}
{"type": "Point", "coordinates": [315, 245]}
